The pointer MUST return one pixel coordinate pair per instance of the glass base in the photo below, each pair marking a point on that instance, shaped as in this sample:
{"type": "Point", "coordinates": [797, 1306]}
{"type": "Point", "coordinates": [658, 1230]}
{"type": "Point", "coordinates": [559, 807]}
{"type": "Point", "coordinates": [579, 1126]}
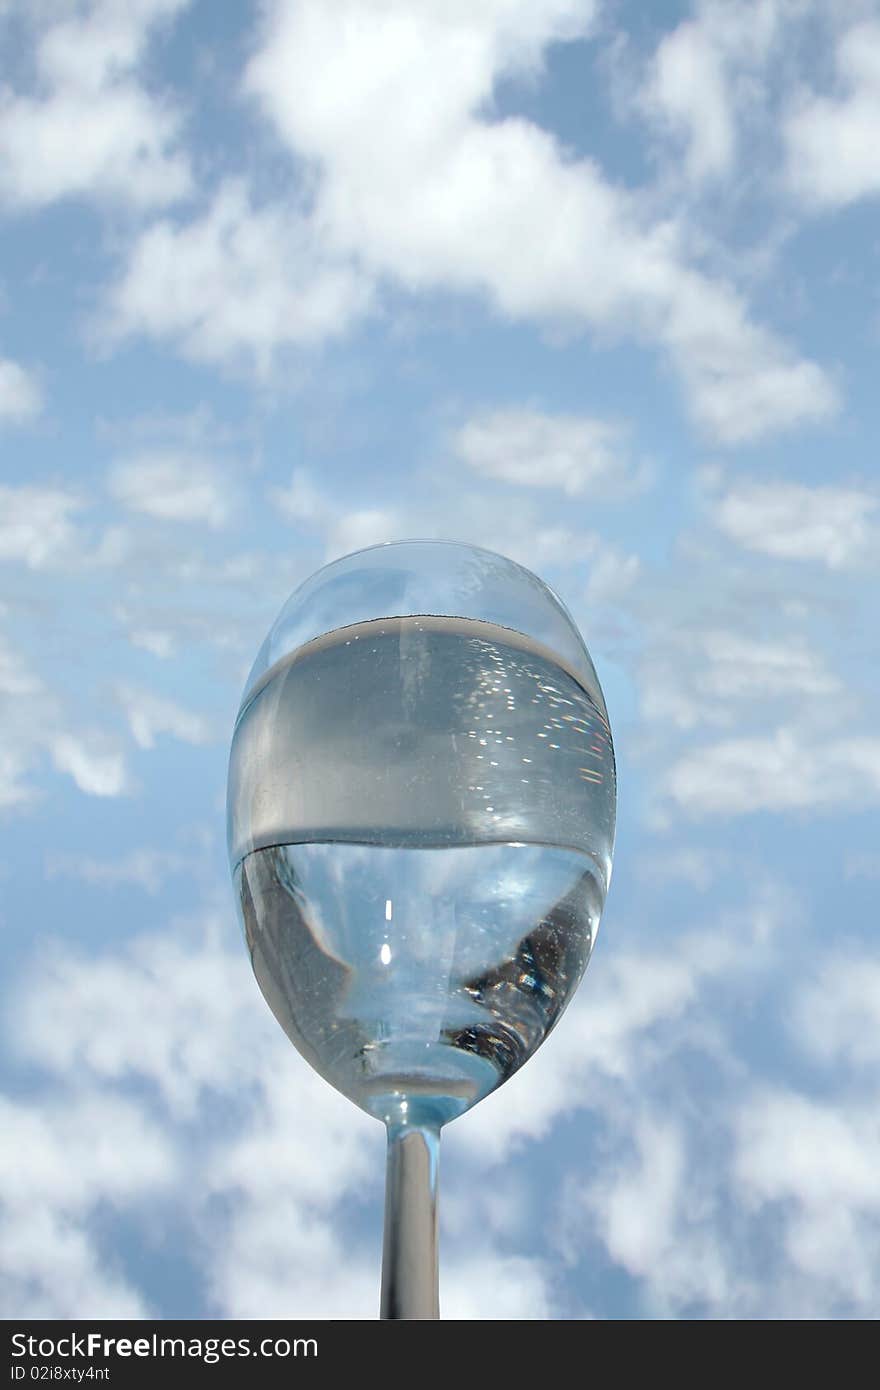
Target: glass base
{"type": "Point", "coordinates": [423, 1084]}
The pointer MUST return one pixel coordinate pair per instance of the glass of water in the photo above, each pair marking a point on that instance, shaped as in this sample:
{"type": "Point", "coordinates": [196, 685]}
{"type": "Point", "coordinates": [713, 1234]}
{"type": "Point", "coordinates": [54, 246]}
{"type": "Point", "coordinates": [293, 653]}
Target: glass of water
{"type": "Point", "coordinates": [421, 813]}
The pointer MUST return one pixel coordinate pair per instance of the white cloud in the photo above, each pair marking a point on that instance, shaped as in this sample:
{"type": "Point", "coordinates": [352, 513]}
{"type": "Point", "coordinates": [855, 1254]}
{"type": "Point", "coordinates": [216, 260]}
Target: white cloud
{"type": "Point", "coordinates": [98, 770]}
{"type": "Point", "coordinates": [60, 1162]}
{"type": "Point", "coordinates": [516, 530]}
{"type": "Point", "coordinates": [788, 770]}
{"type": "Point", "coordinates": [713, 676]}
{"type": "Point", "coordinates": [37, 723]}
{"type": "Point", "coordinates": [171, 1007]}
{"type": "Point", "coordinates": [36, 525]}
{"type": "Point", "coordinates": [815, 1163]}
{"type": "Point", "coordinates": [597, 572]}
{"type": "Point", "coordinates": [173, 487]}
{"type": "Point", "coordinates": [707, 79]}
{"type": "Point", "coordinates": [763, 1206]}
{"type": "Point", "coordinates": [20, 396]}
{"type": "Point", "coordinates": [688, 87]}
{"type": "Point", "coordinates": [425, 191]}
{"type": "Point", "coordinates": [637, 1209]}
{"type": "Point", "coordinates": [342, 531]}
{"type": "Point", "coordinates": [259, 1159]}
{"type": "Point", "coordinates": [835, 1017]}
{"type": "Point", "coordinates": [145, 868]}
{"type": "Point", "coordinates": [832, 141]}
{"type": "Point", "coordinates": [739, 1204]}
{"type": "Point", "coordinates": [16, 677]}
{"type": "Point", "coordinates": [86, 1147]}
{"type": "Point", "coordinates": [816, 1158]}
{"type": "Point", "coordinates": [185, 591]}
{"type": "Point", "coordinates": [387, 63]}
{"type": "Point", "coordinates": [150, 715]}
{"type": "Point", "coordinates": [303, 1148]}
{"type": "Point", "coordinates": [743, 667]}
{"type": "Point", "coordinates": [651, 1208]}
{"type": "Point", "coordinates": [97, 130]}
{"type": "Point", "coordinates": [360, 528]}
{"type": "Point", "coordinates": [493, 1286]}
{"type": "Point", "coordinates": [240, 281]}
{"type": "Point", "coordinates": [14, 766]}
{"type": "Point", "coordinates": [834, 525]}
{"type": "Point", "coordinates": [154, 640]}
{"type": "Point", "coordinates": [51, 1267]}
{"type": "Point", "coordinates": [301, 500]}
{"type": "Point", "coordinates": [699, 868]}
{"type": "Point", "coordinates": [570, 452]}
{"type": "Point", "coordinates": [34, 723]}
{"type": "Point", "coordinates": [861, 864]}
{"type": "Point", "coordinates": [744, 382]}
{"type": "Point", "coordinates": [178, 1009]}
{"type": "Point", "coordinates": [612, 574]}
{"type": "Point", "coordinates": [277, 1256]}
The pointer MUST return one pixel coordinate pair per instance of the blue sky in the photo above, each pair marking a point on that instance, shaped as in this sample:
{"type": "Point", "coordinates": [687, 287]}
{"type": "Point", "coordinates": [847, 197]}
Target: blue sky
{"type": "Point", "coordinates": [593, 285]}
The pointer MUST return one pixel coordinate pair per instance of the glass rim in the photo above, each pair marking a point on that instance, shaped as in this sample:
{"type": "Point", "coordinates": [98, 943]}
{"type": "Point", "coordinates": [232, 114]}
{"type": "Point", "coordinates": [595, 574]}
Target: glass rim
{"type": "Point", "coordinates": [424, 540]}
{"type": "Point", "coordinates": [578, 660]}
{"type": "Point", "coordinates": [431, 540]}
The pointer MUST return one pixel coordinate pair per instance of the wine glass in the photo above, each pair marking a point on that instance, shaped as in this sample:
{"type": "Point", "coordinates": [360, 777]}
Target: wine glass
{"type": "Point", "coordinates": [421, 812]}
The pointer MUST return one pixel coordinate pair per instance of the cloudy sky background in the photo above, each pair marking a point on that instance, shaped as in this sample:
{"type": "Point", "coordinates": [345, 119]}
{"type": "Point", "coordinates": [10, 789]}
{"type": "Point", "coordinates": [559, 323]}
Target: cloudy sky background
{"type": "Point", "coordinates": [594, 285]}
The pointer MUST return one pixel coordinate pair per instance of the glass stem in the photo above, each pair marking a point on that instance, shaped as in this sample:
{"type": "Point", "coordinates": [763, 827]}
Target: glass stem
{"type": "Point", "coordinates": [410, 1287]}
